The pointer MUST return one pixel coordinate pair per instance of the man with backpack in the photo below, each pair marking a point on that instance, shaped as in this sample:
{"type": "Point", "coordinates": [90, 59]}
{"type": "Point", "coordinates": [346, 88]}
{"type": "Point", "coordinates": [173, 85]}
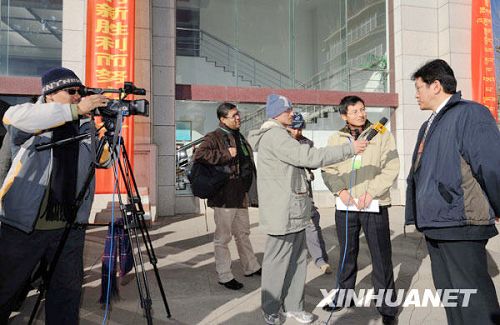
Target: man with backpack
{"type": "Point", "coordinates": [227, 147]}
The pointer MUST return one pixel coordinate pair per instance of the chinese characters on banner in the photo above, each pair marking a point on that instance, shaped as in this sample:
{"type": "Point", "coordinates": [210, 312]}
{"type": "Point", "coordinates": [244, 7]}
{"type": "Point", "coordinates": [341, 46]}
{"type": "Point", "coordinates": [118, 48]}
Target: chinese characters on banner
{"type": "Point", "coordinates": [110, 62]}
{"type": "Point", "coordinates": [483, 57]}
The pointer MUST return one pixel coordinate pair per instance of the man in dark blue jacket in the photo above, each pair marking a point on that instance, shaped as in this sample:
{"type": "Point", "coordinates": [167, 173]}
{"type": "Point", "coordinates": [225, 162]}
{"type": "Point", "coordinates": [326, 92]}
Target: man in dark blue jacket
{"type": "Point", "coordinates": [453, 193]}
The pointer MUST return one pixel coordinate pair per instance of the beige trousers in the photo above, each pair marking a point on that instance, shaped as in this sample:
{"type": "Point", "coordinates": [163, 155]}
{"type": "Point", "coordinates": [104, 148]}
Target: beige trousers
{"type": "Point", "coordinates": [228, 223]}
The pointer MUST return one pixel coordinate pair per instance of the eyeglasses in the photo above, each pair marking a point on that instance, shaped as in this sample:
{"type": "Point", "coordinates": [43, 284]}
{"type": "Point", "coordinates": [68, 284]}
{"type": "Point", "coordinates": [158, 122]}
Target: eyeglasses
{"type": "Point", "coordinates": [233, 117]}
{"type": "Point", "coordinates": [72, 91]}
{"type": "Point", "coordinates": [356, 112]}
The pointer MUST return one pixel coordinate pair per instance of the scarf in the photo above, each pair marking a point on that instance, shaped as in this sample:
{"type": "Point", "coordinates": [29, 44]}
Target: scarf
{"type": "Point", "coordinates": [355, 131]}
{"type": "Point", "coordinates": [245, 169]}
{"type": "Point", "coordinates": [63, 177]}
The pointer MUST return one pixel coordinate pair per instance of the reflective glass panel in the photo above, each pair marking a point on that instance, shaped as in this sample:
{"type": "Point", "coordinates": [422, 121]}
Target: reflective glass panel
{"type": "Point", "coordinates": [304, 44]}
{"type": "Point", "coordinates": [30, 36]}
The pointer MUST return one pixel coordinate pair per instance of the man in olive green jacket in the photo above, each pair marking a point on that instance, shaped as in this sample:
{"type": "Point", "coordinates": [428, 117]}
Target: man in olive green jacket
{"type": "Point", "coordinates": [357, 182]}
{"type": "Point", "coordinates": [285, 207]}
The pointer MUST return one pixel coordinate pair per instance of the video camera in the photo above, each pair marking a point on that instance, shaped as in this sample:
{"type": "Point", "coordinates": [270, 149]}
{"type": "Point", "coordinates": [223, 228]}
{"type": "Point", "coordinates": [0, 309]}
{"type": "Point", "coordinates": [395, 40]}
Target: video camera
{"type": "Point", "coordinates": [111, 114]}
{"type": "Point", "coordinates": [121, 105]}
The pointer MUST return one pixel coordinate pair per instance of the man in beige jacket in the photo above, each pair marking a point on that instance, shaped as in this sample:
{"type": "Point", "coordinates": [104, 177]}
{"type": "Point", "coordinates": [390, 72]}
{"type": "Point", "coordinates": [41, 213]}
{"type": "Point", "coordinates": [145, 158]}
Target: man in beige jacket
{"type": "Point", "coordinates": [357, 182]}
{"type": "Point", "coordinates": [285, 207]}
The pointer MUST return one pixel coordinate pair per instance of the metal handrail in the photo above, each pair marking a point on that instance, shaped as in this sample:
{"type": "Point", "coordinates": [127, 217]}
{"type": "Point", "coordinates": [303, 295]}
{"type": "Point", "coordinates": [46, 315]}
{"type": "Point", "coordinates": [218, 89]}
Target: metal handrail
{"type": "Point", "coordinates": [255, 69]}
{"type": "Point", "coordinates": [191, 144]}
{"type": "Point", "coordinates": [326, 75]}
{"type": "Point", "coordinates": [256, 118]}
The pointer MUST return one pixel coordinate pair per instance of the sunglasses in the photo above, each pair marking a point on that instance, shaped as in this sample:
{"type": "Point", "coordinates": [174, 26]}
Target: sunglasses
{"type": "Point", "coordinates": [72, 91]}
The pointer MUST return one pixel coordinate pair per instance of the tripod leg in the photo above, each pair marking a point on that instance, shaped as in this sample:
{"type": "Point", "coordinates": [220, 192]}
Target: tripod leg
{"type": "Point", "coordinates": [138, 211]}
{"type": "Point", "coordinates": [141, 277]}
{"type": "Point", "coordinates": [69, 224]}
{"type": "Point", "coordinates": [140, 271]}
{"type": "Point", "coordinates": [48, 274]}
{"type": "Point", "coordinates": [153, 260]}
{"type": "Point", "coordinates": [34, 312]}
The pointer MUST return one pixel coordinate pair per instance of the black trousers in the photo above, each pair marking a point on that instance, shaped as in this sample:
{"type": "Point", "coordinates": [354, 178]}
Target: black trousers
{"type": "Point", "coordinates": [377, 234]}
{"type": "Point", "coordinates": [21, 252]}
{"type": "Point", "coordinates": [462, 264]}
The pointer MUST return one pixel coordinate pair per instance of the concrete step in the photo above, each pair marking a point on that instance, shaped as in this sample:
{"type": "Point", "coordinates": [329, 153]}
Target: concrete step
{"type": "Point", "coordinates": [106, 209]}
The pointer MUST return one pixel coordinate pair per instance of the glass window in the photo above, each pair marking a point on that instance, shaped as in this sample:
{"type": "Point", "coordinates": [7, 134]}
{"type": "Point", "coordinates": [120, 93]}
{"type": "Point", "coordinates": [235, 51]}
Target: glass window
{"type": "Point", "coordinates": [188, 32]}
{"type": "Point", "coordinates": [307, 44]}
{"type": "Point", "coordinates": [199, 118]}
{"type": "Point", "coordinates": [30, 36]}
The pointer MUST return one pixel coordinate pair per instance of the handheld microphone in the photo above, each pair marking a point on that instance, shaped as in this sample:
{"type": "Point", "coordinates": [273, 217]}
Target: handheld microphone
{"type": "Point", "coordinates": [377, 128]}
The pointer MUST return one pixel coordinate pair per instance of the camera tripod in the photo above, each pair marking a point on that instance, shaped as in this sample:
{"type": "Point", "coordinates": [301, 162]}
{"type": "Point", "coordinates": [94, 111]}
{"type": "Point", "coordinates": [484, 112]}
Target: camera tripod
{"type": "Point", "coordinates": [133, 220]}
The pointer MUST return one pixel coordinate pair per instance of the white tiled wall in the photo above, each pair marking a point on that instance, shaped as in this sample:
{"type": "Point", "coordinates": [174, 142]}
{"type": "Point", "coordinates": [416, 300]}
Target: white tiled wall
{"type": "Point", "coordinates": [163, 85]}
{"type": "Point", "coordinates": [425, 30]}
{"type": "Point", "coordinates": [73, 44]}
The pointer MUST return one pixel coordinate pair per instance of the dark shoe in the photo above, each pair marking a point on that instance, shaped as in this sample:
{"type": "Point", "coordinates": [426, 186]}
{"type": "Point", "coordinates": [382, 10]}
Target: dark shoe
{"type": "Point", "coordinates": [233, 284]}
{"type": "Point", "coordinates": [389, 320]}
{"type": "Point", "coordinates": [332, 309]}
{"type": "Point", "coordinates": [337, 308]}
{"type": "Point", "coordinates": [258, 272]}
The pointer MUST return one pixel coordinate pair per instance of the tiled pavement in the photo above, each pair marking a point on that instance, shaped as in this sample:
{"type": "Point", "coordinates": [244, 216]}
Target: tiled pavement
{"type": "Point", "coordinates": [186, 265]}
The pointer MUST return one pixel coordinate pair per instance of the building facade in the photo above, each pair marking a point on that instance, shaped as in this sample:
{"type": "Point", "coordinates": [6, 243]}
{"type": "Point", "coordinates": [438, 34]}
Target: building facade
{"type": "Point", "coordinates": [192, 54]}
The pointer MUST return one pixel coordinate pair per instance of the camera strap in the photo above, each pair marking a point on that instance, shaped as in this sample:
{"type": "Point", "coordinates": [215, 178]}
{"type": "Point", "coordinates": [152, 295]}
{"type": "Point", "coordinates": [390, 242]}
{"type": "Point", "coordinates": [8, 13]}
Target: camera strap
{"type": "Point", "coordinates": [117, 133]}
{"type": "Point", "coordinates": [93, 149]}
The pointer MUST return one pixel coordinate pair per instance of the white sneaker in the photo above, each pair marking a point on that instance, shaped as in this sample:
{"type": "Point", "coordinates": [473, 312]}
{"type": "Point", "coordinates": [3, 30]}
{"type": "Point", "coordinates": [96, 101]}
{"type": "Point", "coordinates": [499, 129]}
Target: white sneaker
{"type": "Point", "coordinates": [300, 316]}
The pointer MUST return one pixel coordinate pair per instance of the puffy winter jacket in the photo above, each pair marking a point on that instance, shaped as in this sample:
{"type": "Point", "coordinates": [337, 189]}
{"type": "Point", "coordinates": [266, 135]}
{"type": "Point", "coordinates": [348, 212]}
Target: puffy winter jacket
{"type": "Point", "coordinates": [379, 167]}
{"type": "Point", "coordinates": [282, 185]}
{"type": "Point", "coordinates": [27, 180]}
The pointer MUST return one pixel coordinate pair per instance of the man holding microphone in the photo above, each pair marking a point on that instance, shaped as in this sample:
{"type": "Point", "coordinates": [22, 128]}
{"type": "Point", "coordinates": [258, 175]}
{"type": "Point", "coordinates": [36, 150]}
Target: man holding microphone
{"type": "Point", "coordinates": [285, 207]}
{"type": "Point", "coordinates": [356, 183]}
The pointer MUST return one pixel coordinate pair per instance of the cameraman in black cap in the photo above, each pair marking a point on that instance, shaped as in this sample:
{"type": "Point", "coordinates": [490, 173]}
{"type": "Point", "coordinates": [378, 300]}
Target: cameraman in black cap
{"type": "Point", "coordinates": [38, 195]}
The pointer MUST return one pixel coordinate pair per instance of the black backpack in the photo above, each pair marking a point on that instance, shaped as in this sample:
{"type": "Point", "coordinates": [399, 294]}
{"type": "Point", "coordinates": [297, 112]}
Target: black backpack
{"type": "Point", "coordinates": [206, 180]}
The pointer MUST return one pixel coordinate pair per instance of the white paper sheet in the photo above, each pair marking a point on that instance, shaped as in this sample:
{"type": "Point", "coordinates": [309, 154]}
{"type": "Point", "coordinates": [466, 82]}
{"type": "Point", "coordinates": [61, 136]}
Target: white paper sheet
{"type": "Point", "coordinates": [373, 207]}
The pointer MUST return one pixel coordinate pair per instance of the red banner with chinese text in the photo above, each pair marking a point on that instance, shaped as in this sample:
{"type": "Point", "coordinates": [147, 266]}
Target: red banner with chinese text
{"type": "Point", "coordinates": [110, 62]}
{"type": "Point", "coordinates": [483, 57]}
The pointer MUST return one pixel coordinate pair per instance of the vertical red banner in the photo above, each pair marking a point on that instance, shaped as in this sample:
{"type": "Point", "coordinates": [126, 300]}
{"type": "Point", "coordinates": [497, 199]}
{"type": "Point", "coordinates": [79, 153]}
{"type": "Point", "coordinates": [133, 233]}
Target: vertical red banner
{"type": "Point", "coordinates": [483, 57]}
{"type": "Point", "coordinates": [110, 62]}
